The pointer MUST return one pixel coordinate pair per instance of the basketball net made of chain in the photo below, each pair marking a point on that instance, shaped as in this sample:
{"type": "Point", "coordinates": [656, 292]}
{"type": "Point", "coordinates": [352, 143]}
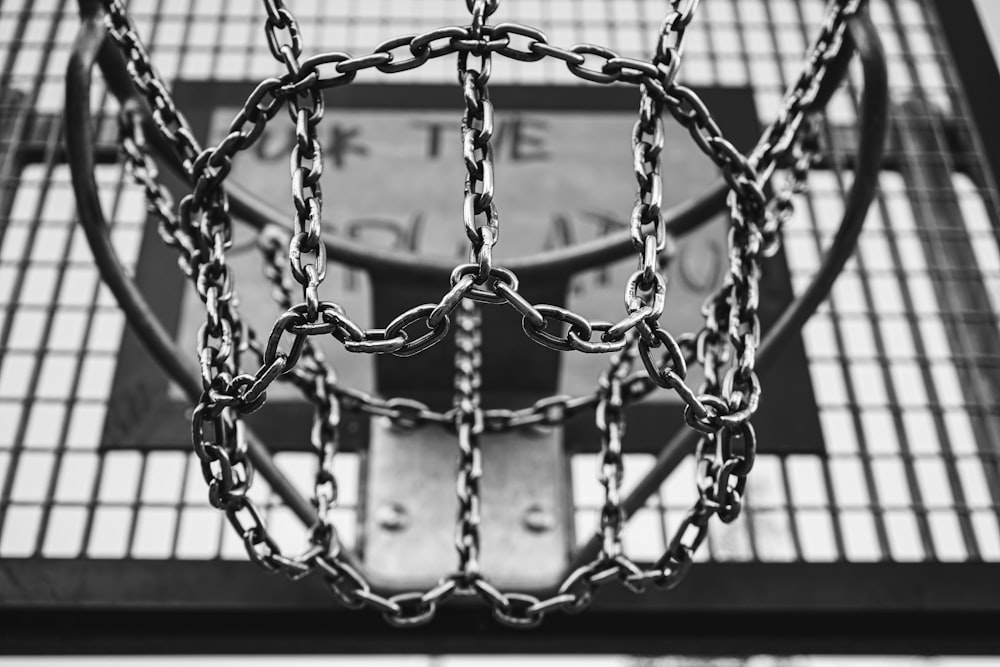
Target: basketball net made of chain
{"type": "Point", "coordinates": [200, 230]}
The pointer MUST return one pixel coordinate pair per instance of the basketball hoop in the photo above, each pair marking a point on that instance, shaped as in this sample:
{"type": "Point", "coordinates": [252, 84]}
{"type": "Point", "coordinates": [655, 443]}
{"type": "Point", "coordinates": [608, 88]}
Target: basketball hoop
{"type": "Point", "coordinates": [643, 356]}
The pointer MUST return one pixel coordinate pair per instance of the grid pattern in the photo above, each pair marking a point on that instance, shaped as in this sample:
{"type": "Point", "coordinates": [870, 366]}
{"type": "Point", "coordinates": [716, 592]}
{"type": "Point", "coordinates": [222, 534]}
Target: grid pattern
{"type": "Point", "coordinates": [911, 470]}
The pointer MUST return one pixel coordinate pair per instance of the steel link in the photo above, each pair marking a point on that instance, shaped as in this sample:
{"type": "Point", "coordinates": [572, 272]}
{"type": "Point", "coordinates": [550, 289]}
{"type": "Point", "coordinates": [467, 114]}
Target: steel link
{"type": "Point", "coordinates": [520, 611]}
{"type": "Point", "coordinates": [504, 31]}
{"type": "Point", "coordinates": [605, 345]}
{"type": "Point", "coordinates": [579, 585]}
{"type": "Point", "coordinates": [577, 324]}
{"type": "Point", "coordinates": [568, 56]}
{"type": "Point", "coordinates": [595, 75]}
{"type": "Point", "coordinates": [395, 65]}
{"type": "Point", "coordinates": [421, 343]}
{"type": "Point", "coordinates": [671, 374]}
{"type": "Point", "coordinates": [411, 610]}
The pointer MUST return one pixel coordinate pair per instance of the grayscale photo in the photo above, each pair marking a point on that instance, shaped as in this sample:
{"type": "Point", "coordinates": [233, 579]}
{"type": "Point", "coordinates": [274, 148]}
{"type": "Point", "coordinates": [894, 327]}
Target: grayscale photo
{"type": "Point", "coordinates": [446, 333]}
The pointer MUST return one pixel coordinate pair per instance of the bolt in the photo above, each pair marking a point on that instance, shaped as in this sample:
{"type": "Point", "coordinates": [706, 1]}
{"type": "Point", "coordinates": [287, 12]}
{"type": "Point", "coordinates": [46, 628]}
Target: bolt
{"type": "Point", "coordinates": [391, 517]}
{"type": "Point", "coordinates": [538, 520]}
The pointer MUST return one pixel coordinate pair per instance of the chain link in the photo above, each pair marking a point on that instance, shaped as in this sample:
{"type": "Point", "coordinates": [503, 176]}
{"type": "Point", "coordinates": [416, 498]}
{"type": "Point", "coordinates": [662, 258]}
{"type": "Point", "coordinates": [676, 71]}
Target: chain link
{"type": "Point", "coordinates": [201, 232]}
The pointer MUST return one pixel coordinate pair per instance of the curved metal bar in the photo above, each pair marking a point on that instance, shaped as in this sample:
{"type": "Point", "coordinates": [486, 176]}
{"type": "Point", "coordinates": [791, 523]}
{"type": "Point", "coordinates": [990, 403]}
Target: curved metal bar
{"type": "Point", "coordinates": [679, 220]}
{"type": "Point", "coordinates": [80, 150]}
{"type": "Point", "coordinates": [247, 205]}
{"type": "Point", "coordinates": [874, 122]}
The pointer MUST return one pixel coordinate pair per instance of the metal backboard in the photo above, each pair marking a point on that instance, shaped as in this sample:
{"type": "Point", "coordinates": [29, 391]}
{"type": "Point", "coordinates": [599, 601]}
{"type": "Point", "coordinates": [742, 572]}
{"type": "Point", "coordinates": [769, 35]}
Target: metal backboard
{"type": "Point", "coordinates": [876, 498]}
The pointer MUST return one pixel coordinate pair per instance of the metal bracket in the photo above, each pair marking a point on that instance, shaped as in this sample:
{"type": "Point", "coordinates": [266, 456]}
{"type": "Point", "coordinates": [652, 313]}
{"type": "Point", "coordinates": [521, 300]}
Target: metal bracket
{"type": "Point", "coordinates": [410, 507]}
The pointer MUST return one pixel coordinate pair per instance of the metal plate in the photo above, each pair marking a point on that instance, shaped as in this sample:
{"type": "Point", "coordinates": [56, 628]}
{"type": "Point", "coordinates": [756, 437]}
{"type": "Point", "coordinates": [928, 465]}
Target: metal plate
{"type": "Point", "coordinates": [410, 507]}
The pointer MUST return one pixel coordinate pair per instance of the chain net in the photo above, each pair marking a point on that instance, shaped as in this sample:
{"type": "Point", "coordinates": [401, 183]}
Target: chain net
{"type": "Point", "coordinates": [237, 366]}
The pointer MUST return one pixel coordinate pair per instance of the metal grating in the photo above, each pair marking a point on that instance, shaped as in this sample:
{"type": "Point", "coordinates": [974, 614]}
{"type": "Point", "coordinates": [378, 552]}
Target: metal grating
{"type": "Point", "coordinates": [903, 358]}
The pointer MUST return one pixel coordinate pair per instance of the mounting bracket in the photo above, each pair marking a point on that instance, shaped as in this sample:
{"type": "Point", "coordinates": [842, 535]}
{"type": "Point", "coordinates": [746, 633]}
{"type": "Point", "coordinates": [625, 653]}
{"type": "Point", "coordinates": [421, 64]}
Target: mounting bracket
{"type": "Point", "coordinates": [408, 538]}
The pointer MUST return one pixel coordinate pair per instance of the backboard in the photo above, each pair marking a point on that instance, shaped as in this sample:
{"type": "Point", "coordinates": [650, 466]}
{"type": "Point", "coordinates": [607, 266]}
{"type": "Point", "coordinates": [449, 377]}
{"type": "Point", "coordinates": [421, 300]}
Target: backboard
{"type": "Point", "coordinates": [875, 497]}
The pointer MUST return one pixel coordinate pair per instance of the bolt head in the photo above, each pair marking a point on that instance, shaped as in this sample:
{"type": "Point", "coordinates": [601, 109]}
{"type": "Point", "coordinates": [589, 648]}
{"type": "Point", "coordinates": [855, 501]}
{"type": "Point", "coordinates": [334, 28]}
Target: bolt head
{"type": "Point", "coordinates": [392, 517]}
{"type": "Point", "coordinates": [537, 519]}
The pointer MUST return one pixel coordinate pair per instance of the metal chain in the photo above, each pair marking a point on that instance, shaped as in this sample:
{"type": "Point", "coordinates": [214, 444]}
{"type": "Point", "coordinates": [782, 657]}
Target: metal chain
{"type": "Point", "coordinates": [647, 142]}
{"type": "Point", "coordinates": [317, 380]}
{"type": "Point", "coordinates": [216, 430]}
{"type": "Point", "coordinates": [732, 330]}
{"type": "Point", "coordinates": [169, 121]}
{"type": "Point", "coordinates": [144, 172]}
{"type": "Point", "coordinates": [202, 232]}
{"type": "Point", "coordinates": [469, 425]}
{"type": "Point", "coordinates": [800, 99]}
{"type": "Point", "coordinates": [804, 153]}
{"type": "Point", "coordinates": [477, 131]}
{"type": "Point", "coordinates": [306, 107]}
{"type": "Point", "coordinates": [610, 420]}
{"type": "Point", "coordinates": [409, 413]}
{"type": "Point", "coordinates": [646, 288]}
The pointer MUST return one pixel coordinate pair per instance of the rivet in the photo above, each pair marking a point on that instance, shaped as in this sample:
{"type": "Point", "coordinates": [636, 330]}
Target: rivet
{"type": "Point", "coordinates": [391, 517]}
{"type": "Point", "coordinates": [538, 520]}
